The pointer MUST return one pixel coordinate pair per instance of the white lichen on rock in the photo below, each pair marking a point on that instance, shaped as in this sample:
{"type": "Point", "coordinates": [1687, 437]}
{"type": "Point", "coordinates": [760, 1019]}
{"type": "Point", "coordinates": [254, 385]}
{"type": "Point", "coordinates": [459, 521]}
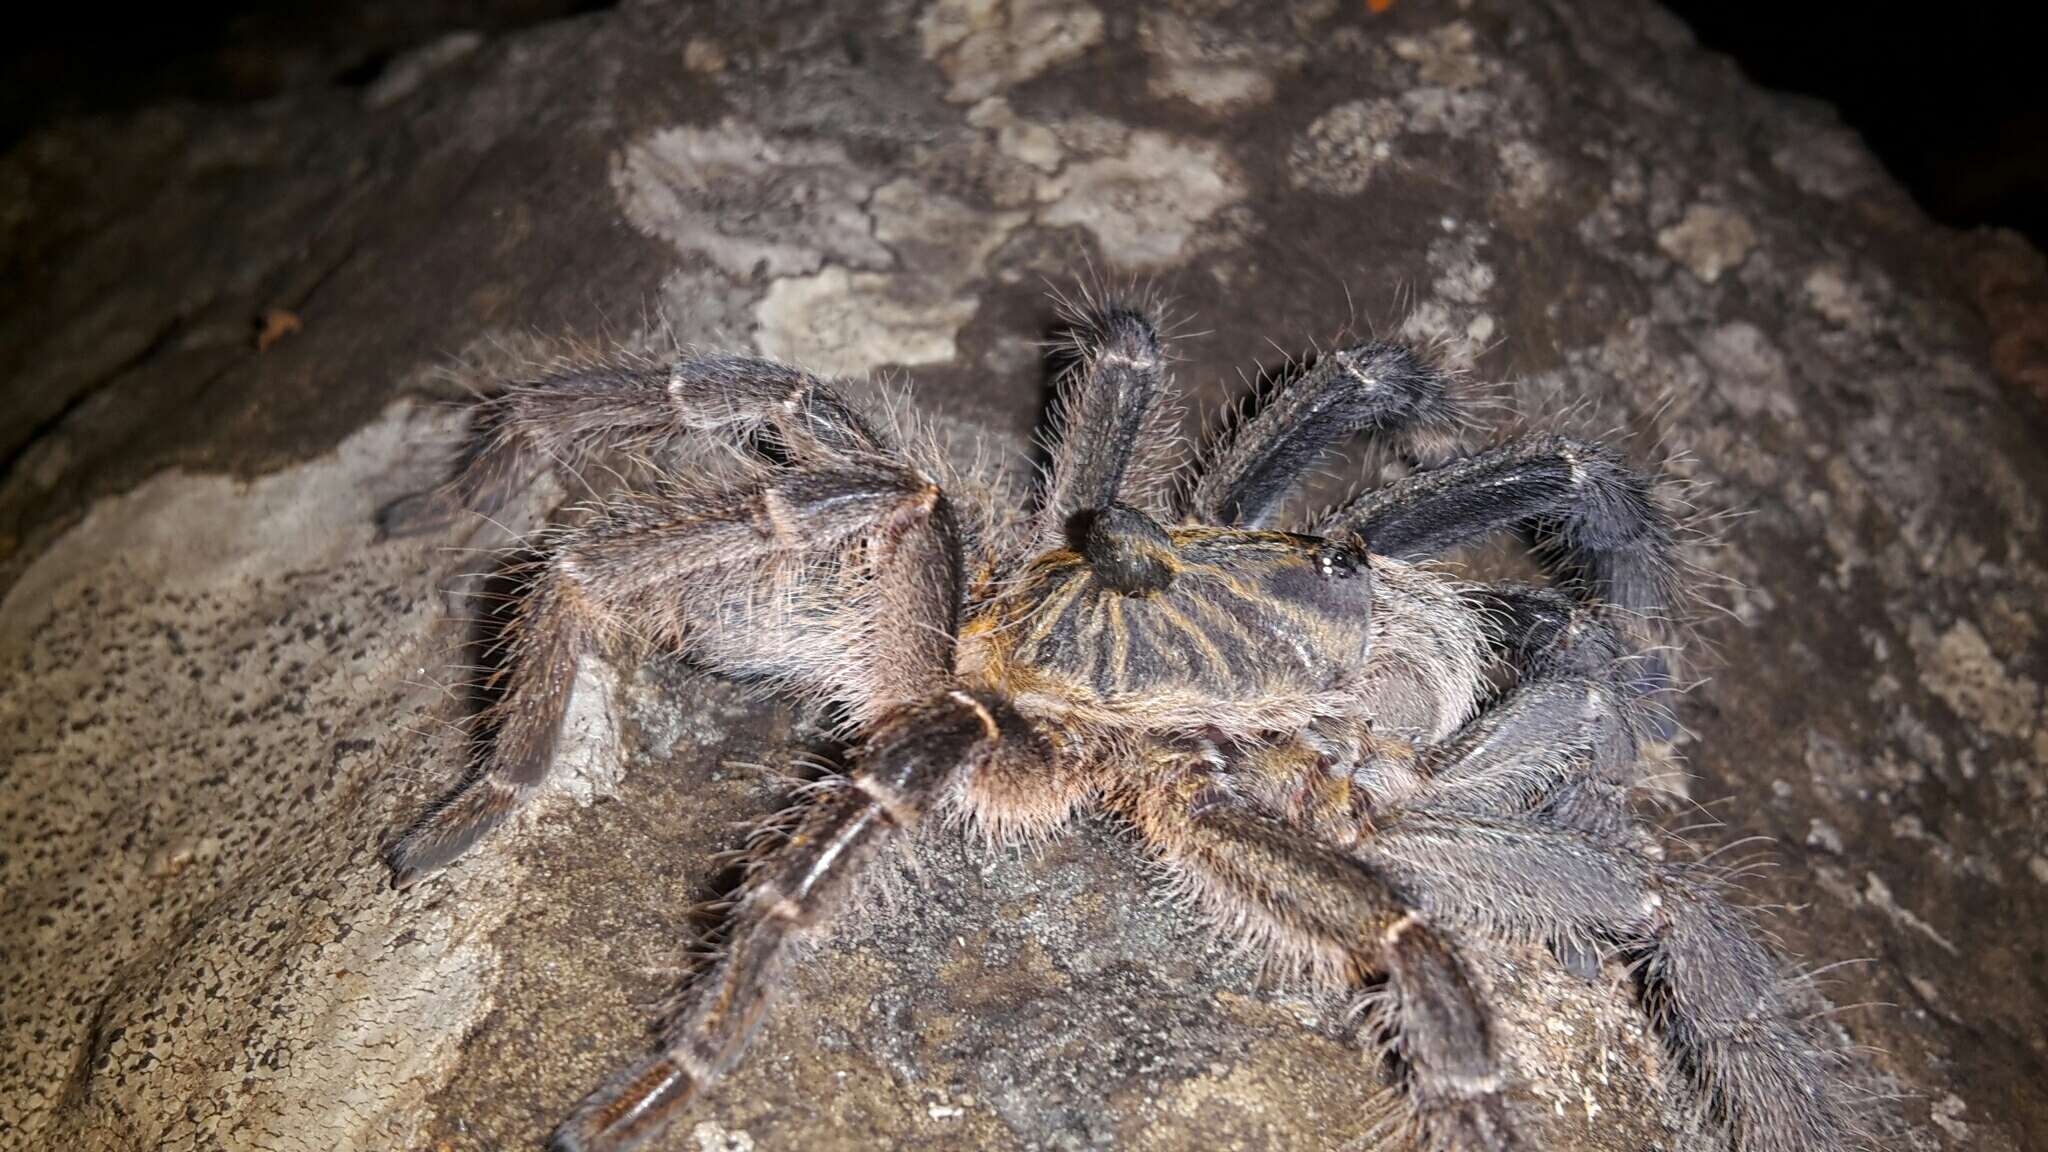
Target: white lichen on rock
{"type": "Point", "coordinates": [712, 1136]}
{"type": "Point", "coordinates": [985, 46]}
{"type": "Point", "coordinates": [1452, 321]}
{"type": "Point", "coordinates": [851, 323]}
{"type": "Point", "coordinates": [1145, 205]}
{"type": "Point", "coordinates": [1217, 70]}
{"type": "Point", "coordinates": [1341, 148]}
{"type": "Point", "coordinates": [1749, 371]}
{"type": "Point", "coordinates": [1960, 667]}
{"type": "Point", "coordinates": [1445, 56]}
{"type": "Point", "coordinates": [1528, 176]}
{"type": "Point", "coordinates": [1022, 140]}
{"type": "Point", "coordinates": [750, 204]}
{"type": "Point", "coordinates": [1710, 240]}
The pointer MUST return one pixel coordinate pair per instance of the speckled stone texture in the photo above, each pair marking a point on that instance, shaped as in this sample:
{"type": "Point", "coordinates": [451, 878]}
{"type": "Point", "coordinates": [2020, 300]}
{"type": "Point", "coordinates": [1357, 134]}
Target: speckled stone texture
{"type": "Point", "coordinates": [220, 690]}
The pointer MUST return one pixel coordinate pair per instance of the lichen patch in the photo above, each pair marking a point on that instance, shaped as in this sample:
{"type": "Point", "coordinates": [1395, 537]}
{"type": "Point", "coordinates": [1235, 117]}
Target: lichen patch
{"type": "Point", "coordinates": [1960, 667]}
{"type": "Point", "coordinates": [850, 323]}
{"type": "Point", "coordinates": [1145, 205]}
{"type": "Point", "coordinates": [1445, 56]}
{"type": "Point", "coordinates": [1029, 143]}
{"type": "Point", "coordinates": [751, 204]}
{"type": "Point", "coordinates": [1341, 148]}
{"type": "Point", "coordinates": [1528, 175]}
{"type": "Point", "coordinates": [1452, 321]}
{"type": "Point", "coordinates": [986, 46]}
{"type": "Point", "coordinates": [1710, 240]}
{"type": "Point", "coordinates": [1216, 70]}
{"type": "Point", "coordinates": [1749, 371]}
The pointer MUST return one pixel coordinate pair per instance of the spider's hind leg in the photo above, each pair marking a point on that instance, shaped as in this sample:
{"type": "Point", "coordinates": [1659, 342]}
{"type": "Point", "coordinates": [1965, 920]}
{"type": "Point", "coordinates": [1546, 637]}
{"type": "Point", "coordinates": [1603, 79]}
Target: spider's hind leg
{"type": "Point", "coordinates": [1709, 984]}
{"type": "Point", "coordinates": [1340, 918]}
{"type": "Point", "coordinates": [574, 416]}
{"type": "Point", "coordinates": [1566, 735]}
{"type": "Point", "coordinates": [653, 565]}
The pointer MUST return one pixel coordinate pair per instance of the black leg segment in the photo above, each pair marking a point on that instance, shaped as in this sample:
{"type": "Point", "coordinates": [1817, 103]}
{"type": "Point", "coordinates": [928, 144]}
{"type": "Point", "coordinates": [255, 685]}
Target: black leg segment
{"type": "Point", "coordinates": [1597, 518]}
{"type": "Point", "coordinates": [1104, 418]}
{"type": "Point", "coordinates": [1542, 633]}
{"type": "Point", "coordinates": [1379, 388]}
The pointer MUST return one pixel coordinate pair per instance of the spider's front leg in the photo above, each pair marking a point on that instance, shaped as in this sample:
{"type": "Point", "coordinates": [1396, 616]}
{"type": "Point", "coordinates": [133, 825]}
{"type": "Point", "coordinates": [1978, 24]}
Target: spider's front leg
{"type": "Point", "coordinates": [1112, 438]}
{"type": "Point", "coordinates": [1584, 505]}
{"type": "Point", "coordinates": [917, 756]}
{"type": "Point", "coordinates": [1319, 907]}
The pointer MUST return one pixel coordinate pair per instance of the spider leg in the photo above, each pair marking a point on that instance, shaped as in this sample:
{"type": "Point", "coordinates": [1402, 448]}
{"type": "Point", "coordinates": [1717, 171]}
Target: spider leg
{"type": "Point", "coordinates": [916, 756]}
{"type": "Point", "coordinates": [1372, 387]}
{"type": "Point", "coordinates": [1109, 432]}
{"type": "Point", "coordinates": [1343, 920]}
{"type": "Point", "coordinates": [573, 416]}
{"type": "Point", "coordinates": [1707, 981]}
{"type": "Point", "coordinates": [1543, 742]}
{"type": "Point", "coordinates": [1566, 736]}
{"type": "Point", "coordinates": [1561, 738]}
{"type": "Point", "coordinates": [1597, 515]}
{"type": "Point", "coordinates": [1542, 632]}
{"type": "Point", "coordinates": [653, 565]}
{"type": "Point", "coordinates": [1591, 515]}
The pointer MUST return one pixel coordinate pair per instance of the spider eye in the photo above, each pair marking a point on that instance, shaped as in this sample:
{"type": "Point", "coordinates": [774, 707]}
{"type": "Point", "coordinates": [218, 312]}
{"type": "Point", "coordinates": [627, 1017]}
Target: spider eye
{"type": "Point", "coordinates": [1341, 561]}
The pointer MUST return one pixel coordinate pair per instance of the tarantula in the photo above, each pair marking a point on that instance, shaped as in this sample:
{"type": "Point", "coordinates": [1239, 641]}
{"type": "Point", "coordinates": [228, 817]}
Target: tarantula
{"type": "Point", "coordinates": [1337, 750]}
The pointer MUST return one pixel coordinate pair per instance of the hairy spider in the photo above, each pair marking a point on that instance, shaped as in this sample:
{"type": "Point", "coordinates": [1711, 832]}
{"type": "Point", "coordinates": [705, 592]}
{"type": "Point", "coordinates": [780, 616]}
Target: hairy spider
{"type": "Point", "coordinates": [1338, 751]}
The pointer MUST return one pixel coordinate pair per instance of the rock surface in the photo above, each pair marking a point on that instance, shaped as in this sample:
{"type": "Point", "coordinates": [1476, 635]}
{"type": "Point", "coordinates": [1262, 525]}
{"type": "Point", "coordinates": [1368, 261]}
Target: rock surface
{"type": "Point", "coordinates": [220, 690]}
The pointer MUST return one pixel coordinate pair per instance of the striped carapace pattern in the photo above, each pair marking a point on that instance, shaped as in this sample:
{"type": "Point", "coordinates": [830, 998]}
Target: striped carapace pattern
{"type": "Point", "coordinates": [1243, 615]}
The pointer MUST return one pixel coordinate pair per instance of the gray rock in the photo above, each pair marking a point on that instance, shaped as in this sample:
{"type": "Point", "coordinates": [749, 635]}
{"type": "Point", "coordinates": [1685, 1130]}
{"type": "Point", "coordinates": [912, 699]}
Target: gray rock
{"type": "Point", "coordinates": [220, 690]}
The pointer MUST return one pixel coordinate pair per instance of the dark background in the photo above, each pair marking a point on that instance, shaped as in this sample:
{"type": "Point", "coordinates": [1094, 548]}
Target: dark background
{"type": "Point", "coordinates": [1951, 97]}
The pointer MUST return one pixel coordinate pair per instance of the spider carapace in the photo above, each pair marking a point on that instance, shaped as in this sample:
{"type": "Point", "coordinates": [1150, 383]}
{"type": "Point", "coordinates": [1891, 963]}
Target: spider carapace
{"type": "Point", "coordinates": [1349, 757]}
{"type": "Point", "coordinates": [1163, 628]}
